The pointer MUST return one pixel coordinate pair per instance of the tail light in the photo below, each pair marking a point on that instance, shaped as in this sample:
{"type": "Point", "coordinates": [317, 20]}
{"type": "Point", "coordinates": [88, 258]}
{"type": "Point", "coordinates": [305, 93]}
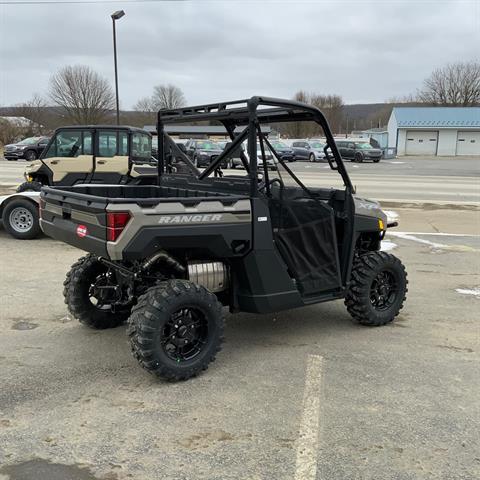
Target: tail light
{"type": "Point", "coordinates": [116, 223]}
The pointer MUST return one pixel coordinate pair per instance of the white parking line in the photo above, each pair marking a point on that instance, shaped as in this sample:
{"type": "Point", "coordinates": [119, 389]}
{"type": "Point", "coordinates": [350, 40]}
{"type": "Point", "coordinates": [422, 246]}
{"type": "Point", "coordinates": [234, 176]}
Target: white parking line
{"type": "Point", "coordinates": [437, 234]}
{"type": "Point", "coordinates": [468, 291]}
{"type": "Point", "coordinates": [309, 432]}
{"type": "Point", "coordinates": [436, 245]}
{"type": "Point", "coordinates": [413, 238]}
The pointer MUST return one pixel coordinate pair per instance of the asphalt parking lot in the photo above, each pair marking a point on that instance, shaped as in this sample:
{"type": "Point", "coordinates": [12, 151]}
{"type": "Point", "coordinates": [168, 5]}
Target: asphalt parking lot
{"type": "Point", "coordinates": [303, 394]}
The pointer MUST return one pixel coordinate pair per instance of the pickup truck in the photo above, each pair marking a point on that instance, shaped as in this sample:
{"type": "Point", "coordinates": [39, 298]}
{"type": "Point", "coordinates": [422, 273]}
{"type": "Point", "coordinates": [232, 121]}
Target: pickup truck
{"type": "Point", "coordinates": [169, 256]}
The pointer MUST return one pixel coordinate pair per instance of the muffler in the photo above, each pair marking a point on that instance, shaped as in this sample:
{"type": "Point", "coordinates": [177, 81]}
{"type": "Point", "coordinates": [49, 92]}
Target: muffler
{"type": "Point", "coordinates": [211, 275]}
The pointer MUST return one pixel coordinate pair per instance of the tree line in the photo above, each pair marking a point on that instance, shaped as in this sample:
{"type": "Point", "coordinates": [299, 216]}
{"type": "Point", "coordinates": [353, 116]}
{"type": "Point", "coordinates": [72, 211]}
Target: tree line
{"type": "Point", "coordinates": [80, 95]}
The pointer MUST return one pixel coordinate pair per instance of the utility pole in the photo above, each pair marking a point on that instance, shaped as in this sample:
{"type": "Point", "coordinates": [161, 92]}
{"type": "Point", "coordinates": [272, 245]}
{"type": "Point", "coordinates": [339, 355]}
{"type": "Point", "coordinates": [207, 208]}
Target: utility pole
{"type": "Point", "coordinates": [116, 16]}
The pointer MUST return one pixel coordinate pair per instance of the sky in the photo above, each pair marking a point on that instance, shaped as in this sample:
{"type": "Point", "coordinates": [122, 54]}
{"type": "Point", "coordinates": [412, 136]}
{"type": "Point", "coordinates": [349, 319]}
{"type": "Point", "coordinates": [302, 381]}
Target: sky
{"type": "Point", "coordinates": [215, 50]}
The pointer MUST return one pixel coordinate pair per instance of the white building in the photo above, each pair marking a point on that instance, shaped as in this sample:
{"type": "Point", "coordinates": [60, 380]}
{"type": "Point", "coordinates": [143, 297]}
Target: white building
{"type": "Point", "coordinates": [435, 130]}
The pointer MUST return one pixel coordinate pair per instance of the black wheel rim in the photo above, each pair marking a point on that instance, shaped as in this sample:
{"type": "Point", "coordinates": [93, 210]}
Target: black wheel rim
{"type": "Point", "coordinates": [185, 334]}
{"type": "Point", "coordinates": [103, 292]}
{"type": "Point", "coordinates": [384, 290]}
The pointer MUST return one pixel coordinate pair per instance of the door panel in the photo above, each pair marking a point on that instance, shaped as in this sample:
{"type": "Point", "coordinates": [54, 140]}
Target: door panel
{"type": "Point", "coordinates": [61, 166]}
{"type": "Point", "coordinates": [110, 169]}
{"type": "Point", "coordinates": [419, 142]}
{"type": "Point", "coordinates": [117, 164]}
{"type": "Point", "coordinates": [468, 143]}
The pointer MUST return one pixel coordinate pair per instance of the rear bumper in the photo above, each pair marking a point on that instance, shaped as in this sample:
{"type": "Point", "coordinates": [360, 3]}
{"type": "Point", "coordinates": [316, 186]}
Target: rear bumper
{"type": "Point", "coordinates": [66, 231]}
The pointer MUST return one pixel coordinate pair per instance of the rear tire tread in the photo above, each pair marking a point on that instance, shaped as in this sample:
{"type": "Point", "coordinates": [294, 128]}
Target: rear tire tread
{"type": "Point", "coordinates": [142, 326]}
{"type": "Point", "coordinates": [77, 305]}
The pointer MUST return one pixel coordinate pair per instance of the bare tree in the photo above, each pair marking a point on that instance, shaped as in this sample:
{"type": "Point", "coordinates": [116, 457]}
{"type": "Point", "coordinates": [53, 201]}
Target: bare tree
{"type": "Point", "coordinates": [164, 96]}
{"type": "Point", "coordinates": [144, 111]}
{"type": "Point", "coordinates": [11, 130]}
{"type": "Point", "coordinates": [331, 106]}
{"type": "Point", "coordinates": [168, 96]}
{"type": "Point", "coordinates": [86, 97]}
{"type": "Point", "coordinates": [454, 84]}
{"type": "Point", "coordinates": [145, 105]}
{"type": "Point", "coordinates": [35, 111]}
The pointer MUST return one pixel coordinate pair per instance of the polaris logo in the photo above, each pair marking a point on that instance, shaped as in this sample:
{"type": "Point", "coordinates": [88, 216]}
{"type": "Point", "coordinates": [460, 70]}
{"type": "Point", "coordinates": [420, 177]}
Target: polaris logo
{"type": "Point", "coordinates": [176, 219]}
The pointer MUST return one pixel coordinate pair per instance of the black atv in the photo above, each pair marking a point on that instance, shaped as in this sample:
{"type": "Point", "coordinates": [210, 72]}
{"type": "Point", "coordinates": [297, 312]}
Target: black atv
{"type": "Point", "coordinates": [167, 257]}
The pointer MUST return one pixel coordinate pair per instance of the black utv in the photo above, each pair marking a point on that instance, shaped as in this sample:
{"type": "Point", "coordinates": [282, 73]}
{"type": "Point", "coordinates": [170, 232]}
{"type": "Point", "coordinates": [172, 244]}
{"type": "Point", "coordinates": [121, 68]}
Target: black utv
{"type": "Point", "coordinates": [168, 257]}
{"type": "Point", "coordinates": [92, 154]}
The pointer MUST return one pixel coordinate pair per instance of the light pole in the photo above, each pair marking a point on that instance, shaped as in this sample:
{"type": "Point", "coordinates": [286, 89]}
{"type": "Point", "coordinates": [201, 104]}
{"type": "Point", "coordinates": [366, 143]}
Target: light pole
{"type": "Point", "coordinates": [116, 16]}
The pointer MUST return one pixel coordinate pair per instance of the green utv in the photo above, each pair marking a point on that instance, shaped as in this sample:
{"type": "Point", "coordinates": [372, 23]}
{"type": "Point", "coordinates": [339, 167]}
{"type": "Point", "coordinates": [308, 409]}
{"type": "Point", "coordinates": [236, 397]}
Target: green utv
{"type": "Point", "coordinates": [93, 154]}
{"type": "Point", "coordinates": [169, 256]}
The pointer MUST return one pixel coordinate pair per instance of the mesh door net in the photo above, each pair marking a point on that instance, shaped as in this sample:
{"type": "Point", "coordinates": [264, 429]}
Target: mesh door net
{"type": "Point", "coordinates": [306, 240]}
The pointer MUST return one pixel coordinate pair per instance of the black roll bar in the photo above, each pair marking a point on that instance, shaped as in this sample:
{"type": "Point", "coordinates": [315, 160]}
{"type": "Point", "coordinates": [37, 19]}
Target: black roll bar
{"type": "Point", "coordinates": [247, 112]}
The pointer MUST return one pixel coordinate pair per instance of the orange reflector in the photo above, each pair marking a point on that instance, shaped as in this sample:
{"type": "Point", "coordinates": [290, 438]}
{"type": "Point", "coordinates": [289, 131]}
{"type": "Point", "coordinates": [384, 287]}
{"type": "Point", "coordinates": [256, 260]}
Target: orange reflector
{"type": "Point", "coordinates": [381, 226]}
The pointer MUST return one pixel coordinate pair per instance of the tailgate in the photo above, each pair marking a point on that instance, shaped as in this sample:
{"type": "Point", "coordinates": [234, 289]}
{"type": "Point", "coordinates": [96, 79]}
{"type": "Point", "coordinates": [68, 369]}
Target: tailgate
{"type": "Point", "coordinates": [74, 218]}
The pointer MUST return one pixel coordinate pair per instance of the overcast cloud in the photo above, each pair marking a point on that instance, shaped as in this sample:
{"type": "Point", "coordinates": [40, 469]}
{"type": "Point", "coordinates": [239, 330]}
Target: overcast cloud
{"type": "Point", "coordinates": [366, 51]}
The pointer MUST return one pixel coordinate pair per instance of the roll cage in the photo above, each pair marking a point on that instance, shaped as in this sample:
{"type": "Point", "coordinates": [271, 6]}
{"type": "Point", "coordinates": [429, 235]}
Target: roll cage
{"type": "Point", "coordinates": [250, 114]}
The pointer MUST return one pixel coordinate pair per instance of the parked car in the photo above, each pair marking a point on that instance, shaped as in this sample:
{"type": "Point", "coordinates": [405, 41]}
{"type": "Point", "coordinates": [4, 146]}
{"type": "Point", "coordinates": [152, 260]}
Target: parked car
{"type": "Point", "coordinates": [358, 151]}
{"type": "Point", "coordinates": [270, 161]}
{"type": "Point", "coordinates": [237, 162]}
{"type": "Point", "coordinates": [286, 153]}
{"type": "Point", "coordinates": [311, 150]}
{"type": "Point", "coordinates": [180, 145]}
{"type": "Point", "coordinates": [202, 152]}
{"type": "Point", "coordinates": [28, 149]}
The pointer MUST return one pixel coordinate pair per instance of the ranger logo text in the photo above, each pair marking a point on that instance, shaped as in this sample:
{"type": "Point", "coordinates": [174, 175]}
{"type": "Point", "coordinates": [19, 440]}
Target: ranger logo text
{"type": "Point", "coordinates": [175, 219]}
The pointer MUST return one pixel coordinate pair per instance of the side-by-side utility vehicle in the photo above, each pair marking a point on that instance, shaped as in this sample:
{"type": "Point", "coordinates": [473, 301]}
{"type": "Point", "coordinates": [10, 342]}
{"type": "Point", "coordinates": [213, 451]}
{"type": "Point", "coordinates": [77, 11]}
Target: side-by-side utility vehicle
{"type": "Point", "coordinates": [93, 154]}
{"type": "Point", "coordinates": [167, 257]}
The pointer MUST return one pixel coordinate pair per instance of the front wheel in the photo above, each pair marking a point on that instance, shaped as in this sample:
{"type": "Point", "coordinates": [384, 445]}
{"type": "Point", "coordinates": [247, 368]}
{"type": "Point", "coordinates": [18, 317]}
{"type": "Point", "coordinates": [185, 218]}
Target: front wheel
{"type": "Point", "coordinates": [176, 329]}
{"type": "Point", "coordinates": [30, 155]}
{"type": "Point", "coordinates": [311, 157]}
{"type": "Point", "coordinates": [93, 296]}
{"type": "Point", "coordinates": [377, 290]}
{"type": "Point", "coordinates": [29, 187]}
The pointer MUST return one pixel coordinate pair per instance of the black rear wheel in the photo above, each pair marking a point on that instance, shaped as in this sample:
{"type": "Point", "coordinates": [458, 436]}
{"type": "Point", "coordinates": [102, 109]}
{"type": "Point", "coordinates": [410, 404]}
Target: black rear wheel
{"type": "Point", "coordinates": [93, 296]}
{"type": "Point", "coordinates": [176, 329]}
{"type": "Point", "coordinates": [359, 157]}
{"type": "Point", "coordinates": [377, 288]}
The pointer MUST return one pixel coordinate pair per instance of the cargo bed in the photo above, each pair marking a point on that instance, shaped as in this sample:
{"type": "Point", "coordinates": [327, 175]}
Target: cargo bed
{"type": "Point", "coordinates": [107, 219]}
